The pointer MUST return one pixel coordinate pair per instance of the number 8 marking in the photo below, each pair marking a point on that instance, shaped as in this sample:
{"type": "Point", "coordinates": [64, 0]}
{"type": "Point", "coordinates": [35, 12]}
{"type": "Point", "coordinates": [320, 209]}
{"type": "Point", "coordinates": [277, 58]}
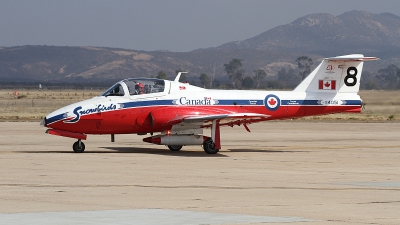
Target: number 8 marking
{"type": "Point", "coordinates": [351, 74]}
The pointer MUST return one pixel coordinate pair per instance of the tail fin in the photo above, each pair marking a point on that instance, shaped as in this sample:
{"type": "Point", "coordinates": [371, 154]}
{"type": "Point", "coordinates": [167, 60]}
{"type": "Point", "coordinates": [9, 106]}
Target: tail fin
{"type": "Point", "coordinates": [337, 74]}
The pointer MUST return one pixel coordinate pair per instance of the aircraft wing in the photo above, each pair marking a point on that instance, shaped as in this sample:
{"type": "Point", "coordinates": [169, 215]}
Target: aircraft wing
{"type": "Point", "coordinates": [227, 119]}
{"type": "Point", "coordinates": [191, 117]}
{"type": "Point", "coordinates": [231, 116]}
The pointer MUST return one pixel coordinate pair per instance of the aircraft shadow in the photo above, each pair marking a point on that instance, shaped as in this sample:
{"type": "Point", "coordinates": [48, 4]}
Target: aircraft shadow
{"type": "Point", "coordinates": [166, 152]}
{"type": "Point", "coordinates": [266, 150]}
{"type": "Point", "coordinates": [181, 153]}
{"type": "Point", "coordinates": [132, 150]}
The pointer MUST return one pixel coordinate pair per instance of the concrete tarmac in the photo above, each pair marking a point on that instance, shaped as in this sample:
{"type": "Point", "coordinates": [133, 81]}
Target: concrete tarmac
{"type": "Point", "coordinates": [281, 172]}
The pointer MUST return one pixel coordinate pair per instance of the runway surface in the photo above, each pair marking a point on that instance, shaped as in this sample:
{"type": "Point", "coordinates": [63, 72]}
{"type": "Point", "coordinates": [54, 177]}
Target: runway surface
{"type": "Point", "coordinates": [281, 172]}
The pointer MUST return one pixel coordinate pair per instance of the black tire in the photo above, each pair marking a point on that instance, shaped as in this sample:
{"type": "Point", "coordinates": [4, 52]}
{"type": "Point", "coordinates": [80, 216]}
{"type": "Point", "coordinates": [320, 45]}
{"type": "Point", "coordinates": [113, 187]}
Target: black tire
{"type": "Point", "coordinates": [209, 146]}
{"type": "Point", "coordinates": [174, 147]}
{"type": "Point", "coordinates": [77, 148]}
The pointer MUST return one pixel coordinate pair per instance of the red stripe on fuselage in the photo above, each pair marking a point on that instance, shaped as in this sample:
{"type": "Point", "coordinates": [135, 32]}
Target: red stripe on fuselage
{"type": "Point", "coordinates": [138, 120]}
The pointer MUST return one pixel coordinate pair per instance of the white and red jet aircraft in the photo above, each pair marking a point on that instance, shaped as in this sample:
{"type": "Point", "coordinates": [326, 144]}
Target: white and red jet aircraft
{"type": "Point", "coordinates": [180, 112]}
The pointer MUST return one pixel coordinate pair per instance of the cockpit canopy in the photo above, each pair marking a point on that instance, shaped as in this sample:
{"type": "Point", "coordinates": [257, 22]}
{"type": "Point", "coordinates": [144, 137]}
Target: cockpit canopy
{"type": "Point", "coordinates": [136, 86]}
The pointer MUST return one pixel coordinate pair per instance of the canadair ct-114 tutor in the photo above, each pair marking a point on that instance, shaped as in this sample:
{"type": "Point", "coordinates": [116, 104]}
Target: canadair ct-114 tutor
{"type": "Point", "coordinates": [178, 112]}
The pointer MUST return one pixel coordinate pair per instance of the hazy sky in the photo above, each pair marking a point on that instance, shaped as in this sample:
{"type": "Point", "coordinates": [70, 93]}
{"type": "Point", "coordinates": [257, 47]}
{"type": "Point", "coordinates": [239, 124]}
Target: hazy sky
{"type": "Point", "coordinates": [174, 25]}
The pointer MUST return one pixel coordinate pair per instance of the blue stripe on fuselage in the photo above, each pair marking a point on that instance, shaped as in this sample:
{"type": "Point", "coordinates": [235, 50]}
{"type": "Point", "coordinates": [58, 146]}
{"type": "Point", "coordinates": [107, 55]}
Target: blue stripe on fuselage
{"type": "Point", "coordinates": [317, 102]}
{"type": "Point", "coordinates": [55, 118]}
{"type": "Point", "coordinates": [146, 103]}
{"type": "Point", "coordinates": [241, 102]}
{"type": "Point", "coordinates": [225, 102]}
{"type": "Point", "coordinates": [353, 102]}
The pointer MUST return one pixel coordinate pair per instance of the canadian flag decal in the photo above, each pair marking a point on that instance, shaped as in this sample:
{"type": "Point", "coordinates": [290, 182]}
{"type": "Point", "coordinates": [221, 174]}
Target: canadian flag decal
{"type": "Point", "coordinates": [327, 84]}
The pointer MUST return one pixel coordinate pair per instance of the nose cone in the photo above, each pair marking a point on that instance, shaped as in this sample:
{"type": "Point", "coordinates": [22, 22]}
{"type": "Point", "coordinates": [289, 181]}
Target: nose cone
{"type": "Point", "coordinates": [43, 123]}
{"type": "Point", "coordinates": [60, 115]}
{"type": "Point", "coordinates": [54, 117]}
{"type": "Point", "coordinates": [69, 118]}
{"type": "Point", "coordinates": [64, 118]}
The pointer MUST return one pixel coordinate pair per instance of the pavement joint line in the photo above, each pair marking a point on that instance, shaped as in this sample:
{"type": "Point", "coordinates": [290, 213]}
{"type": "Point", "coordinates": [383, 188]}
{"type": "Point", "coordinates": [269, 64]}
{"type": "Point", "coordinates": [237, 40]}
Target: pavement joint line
{"type": "Point", "coordinates": [140, 217]}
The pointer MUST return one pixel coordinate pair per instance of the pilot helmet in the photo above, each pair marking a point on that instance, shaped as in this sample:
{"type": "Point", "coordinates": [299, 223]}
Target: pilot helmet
{"type": "Point", "coordinates": [139, 87]}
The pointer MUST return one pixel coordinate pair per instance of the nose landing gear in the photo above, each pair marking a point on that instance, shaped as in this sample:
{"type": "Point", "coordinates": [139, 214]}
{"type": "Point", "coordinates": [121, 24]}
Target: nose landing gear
{"type": "Point", "coordinates": [78, 146]}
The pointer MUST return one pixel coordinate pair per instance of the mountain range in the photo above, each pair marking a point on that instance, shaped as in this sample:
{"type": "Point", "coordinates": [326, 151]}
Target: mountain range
{"type": "Point", "coordinates": [357, 31]}
{"type": "Point", "coordinates": [316, 36]}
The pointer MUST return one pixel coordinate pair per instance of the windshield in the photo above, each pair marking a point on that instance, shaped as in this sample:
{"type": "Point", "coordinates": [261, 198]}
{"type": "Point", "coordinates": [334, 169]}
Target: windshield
{"type": "Point", "coordinates": [144, 86]}
{"type": "Point", "coordinates": [116, 90]}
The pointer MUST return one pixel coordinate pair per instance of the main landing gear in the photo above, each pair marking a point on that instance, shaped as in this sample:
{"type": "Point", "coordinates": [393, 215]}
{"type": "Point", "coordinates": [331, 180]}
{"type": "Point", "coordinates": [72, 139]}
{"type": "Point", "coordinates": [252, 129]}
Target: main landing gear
{"type": "Point", "coordinates": [174, 148]}
{"type": "Point", "coordinates": [78, 146]}
{"type": "Point", "coordinates": [209, 146]}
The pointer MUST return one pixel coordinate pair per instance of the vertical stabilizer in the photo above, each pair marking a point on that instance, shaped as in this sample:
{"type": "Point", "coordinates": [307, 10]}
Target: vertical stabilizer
{"type": "Point", "coordinates": [337, 74]}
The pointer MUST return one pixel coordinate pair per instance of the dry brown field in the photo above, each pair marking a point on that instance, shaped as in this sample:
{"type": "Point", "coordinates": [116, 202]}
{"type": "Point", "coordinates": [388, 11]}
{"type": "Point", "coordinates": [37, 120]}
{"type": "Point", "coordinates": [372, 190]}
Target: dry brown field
{"type": "Point", "coordinates": [33, 105]}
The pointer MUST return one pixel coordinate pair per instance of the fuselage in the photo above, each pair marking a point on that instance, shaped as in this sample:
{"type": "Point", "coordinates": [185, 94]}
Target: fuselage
{"type": "Point", "coordinates": [157, 111]}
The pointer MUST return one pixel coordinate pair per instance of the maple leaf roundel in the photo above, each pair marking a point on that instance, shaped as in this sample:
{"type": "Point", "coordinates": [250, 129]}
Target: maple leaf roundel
{"type": "Point", "coordinates": [272, 102]}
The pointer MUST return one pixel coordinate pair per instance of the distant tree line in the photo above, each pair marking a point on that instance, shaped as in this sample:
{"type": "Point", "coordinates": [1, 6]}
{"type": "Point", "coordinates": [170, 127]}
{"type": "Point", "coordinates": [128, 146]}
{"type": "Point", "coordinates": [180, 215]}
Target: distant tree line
{"type": "Point", "coordinates": [386, 78]}
{"type": "Point", "coordinates": [287, 77]}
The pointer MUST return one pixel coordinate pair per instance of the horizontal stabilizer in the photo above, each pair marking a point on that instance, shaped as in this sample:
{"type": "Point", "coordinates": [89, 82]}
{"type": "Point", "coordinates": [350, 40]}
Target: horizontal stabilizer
{"type": "Point", "coordinates": [354, 57]}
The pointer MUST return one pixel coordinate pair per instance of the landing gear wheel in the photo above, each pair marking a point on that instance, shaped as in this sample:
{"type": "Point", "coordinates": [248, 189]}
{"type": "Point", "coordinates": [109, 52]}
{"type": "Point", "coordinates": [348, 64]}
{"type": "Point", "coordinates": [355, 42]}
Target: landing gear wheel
{"type": "Point", "coordinates": [78, 147]}
{"type": "Point", "coordinates": [209, 146]}
{"type": "Point", "coordinates": [174, 147]}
